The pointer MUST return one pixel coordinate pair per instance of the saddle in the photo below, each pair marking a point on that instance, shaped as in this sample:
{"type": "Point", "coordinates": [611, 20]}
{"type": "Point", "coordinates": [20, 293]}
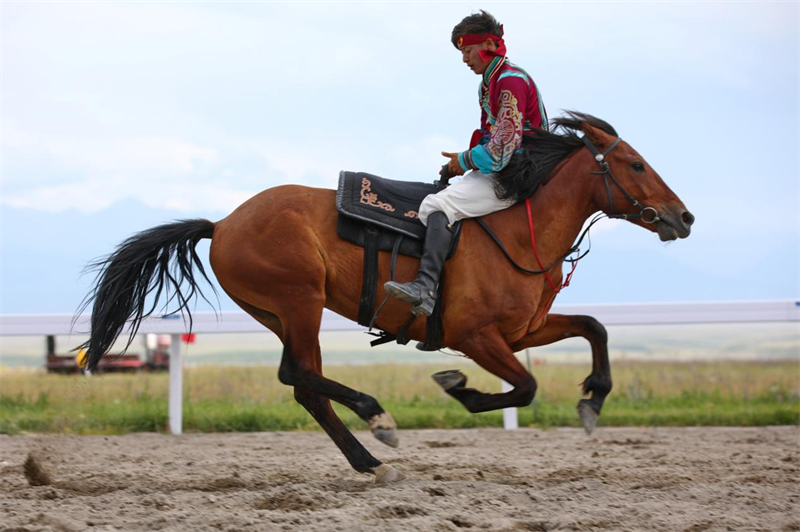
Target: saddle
{"type": "Point", "coordinates": [383, 215]}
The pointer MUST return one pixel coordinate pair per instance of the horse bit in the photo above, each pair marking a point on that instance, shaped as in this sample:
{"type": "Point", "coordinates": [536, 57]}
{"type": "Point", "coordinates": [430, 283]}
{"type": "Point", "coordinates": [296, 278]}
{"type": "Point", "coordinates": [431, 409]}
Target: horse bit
{"type": "Point", "coordinates": [644, 212]}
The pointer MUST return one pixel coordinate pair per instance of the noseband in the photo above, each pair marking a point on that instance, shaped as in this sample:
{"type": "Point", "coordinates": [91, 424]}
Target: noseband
{"type": "Point", "coordinates": [647, 214]}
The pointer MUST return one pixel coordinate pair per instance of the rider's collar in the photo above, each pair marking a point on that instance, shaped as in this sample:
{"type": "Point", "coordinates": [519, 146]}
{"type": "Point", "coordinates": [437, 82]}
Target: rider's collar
{"type": "Point", "coordinates": [492, 69]}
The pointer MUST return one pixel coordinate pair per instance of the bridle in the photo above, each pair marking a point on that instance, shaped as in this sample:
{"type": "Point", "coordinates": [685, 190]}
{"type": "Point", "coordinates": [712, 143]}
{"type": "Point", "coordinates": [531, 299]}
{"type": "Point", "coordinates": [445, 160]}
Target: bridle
{"type": "Point", "coordinates": [644, 212]}
{"type": "Point", "coordinates": [648, 215]}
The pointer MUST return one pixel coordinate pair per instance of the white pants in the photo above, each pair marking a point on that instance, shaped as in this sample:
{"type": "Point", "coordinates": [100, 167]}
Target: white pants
{"type": "Point", "coordinates": [470, 197]}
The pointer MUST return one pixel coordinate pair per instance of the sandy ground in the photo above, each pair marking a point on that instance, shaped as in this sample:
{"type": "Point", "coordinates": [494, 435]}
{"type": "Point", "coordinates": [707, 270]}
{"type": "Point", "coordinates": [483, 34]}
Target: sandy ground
{"type": "Point", "coordinates": [692, 480]}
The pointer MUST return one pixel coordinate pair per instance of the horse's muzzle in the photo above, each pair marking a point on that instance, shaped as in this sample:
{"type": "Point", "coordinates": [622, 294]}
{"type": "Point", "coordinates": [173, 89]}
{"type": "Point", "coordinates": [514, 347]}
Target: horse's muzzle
{"type": "Point", "coordinates": [674, 223]}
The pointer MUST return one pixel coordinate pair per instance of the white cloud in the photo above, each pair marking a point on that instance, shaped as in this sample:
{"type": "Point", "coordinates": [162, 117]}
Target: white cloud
{"type": "Point", "coordinates": [90, 175]}
{"type": "Point", "coordinates": [606, 225]}
{"type": "Point", "coordinates": [108, 101]}
{"type": "Point", "coordinates": [197, 106]}
{"type": "Point", "coordinates": [96, 194]}
{"type": "Point", "coordinates": [133, 154]}
{"type": "Point", "coordinates": [305, 163]}
{"type": "Point", "coordinates": [217, 196]}
{"type": "Point", "coordinates": [424, 156]}
{"type": "Point", "coordinates": [84, 196]}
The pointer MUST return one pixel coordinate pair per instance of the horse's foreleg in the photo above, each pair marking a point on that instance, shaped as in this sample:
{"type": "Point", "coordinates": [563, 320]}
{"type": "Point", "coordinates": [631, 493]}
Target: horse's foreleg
{"type": "Point", "coordinates": [598, 383]}
{"type": "Point", "coordinates": [493, 355]}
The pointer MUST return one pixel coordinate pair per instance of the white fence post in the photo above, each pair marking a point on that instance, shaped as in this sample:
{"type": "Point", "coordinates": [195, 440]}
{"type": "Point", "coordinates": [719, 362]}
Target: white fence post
{"type": "Point", "coordinates": [510, 421]}
{"type": "Point", "coordinates": [176, 385]}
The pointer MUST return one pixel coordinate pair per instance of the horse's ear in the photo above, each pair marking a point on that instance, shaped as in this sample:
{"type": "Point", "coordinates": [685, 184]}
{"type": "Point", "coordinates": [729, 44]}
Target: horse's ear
{"type": "Point", "coordinates": [599, 138]}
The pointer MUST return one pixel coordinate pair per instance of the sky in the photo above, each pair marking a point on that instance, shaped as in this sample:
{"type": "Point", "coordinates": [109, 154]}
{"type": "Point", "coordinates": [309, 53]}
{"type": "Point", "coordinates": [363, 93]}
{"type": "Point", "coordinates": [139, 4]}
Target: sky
{"type": "Point", "coordinates": [118, 116]}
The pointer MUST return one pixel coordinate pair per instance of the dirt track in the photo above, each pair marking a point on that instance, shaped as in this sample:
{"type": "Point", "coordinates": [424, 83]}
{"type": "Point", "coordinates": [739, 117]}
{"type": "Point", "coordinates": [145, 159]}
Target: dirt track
{"type": "Point", "coordinates": [620, 479]}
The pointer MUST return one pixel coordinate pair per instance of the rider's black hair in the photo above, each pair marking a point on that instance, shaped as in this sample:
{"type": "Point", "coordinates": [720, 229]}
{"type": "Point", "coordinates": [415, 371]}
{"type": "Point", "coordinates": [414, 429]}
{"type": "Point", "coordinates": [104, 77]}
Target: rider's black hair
{"type": "Point", "coordinates": [482, 22]}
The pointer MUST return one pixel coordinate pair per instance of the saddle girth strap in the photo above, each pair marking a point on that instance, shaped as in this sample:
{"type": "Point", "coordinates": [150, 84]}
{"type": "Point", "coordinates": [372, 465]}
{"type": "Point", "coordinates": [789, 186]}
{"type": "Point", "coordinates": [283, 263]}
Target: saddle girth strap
{"type": "Point", "coordinates": [433, 325]}
{"type": "Point", "coordinates": [369, 293]}
{"type": "Point", "coordinates": [369, 286]}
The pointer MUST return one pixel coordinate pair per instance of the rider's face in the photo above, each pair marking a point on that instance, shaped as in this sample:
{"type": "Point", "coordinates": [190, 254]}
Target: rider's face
{"type": "Point", "coordinates": [470, 55]}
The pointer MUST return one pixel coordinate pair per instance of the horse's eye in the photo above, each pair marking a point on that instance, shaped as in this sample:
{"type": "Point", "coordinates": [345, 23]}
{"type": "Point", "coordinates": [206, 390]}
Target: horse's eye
{"type": "Point", "coordinates": [638, 167]}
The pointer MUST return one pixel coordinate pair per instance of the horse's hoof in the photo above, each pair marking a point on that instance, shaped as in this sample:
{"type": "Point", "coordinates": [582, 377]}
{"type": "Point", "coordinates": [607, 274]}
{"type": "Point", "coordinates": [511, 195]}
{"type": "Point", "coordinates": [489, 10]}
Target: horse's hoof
{"type": "Point", "coordinates": [387, 436]}
{"type": "Point", "coordinates": [383, 428]}
{"type": "Point", "coordinates": [588, 415]}
{"type": "Point", "coordinates": [386, 474]}
{"type": "Point", "coordinates": [451, 378]}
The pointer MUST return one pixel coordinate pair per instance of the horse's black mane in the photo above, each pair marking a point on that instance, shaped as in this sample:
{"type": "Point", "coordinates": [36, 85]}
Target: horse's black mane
{"type": "Point", "coordinates": [541, 153]}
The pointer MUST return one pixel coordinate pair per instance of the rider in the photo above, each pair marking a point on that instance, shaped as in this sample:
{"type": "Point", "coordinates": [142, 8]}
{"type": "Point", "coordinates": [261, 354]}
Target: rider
{"type": "Point", "coordinates": [511, 107]}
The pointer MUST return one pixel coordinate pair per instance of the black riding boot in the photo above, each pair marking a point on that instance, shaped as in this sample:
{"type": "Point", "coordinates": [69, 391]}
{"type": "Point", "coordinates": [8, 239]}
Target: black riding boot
{"type": "Point", "coordinates": [421, 293]}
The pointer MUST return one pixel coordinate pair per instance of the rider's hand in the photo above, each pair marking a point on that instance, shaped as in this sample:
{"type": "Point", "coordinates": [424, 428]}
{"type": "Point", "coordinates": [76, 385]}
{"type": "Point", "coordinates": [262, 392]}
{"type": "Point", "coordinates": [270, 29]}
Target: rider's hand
{"type": "Point", "coordinates": [453, 165]}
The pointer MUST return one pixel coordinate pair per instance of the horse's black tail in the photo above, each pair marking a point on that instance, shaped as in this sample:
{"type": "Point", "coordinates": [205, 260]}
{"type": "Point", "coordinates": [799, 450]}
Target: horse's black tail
{"type": "Point", "coordinates": [136, 274]}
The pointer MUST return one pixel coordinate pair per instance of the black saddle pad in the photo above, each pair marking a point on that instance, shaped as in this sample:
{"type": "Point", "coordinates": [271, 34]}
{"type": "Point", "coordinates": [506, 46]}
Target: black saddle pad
{"type": "Point", "coordinates": [386, 203]}
{"type": "Point", "coordinates": [365, 200]}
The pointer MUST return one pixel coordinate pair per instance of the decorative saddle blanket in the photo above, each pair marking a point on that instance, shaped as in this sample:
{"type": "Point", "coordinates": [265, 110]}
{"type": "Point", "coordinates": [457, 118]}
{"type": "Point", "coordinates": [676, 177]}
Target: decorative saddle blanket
{"type": "Point", "coordinates": [390, 206]}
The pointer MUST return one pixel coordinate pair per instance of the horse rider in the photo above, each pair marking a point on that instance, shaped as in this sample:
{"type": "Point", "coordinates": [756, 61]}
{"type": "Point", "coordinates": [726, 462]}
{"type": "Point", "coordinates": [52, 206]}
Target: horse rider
{"type": "Point", "coordinates": [511, 107]}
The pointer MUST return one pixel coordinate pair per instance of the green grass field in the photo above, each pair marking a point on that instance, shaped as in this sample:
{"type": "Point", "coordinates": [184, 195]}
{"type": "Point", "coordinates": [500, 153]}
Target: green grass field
{"type": "Point", "coordinates": [219, 398]}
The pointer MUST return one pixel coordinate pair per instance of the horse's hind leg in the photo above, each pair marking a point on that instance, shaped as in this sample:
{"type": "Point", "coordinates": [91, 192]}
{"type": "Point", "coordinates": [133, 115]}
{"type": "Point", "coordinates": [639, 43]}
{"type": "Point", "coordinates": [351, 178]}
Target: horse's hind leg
{"type": "Point", "coordinates": [322, 411]}
{"type": "Point", "coordinates": [300, 363]}
{"type": "Point", "coordinates": [301, 366]}
{"type": "Point", "coordinates": [491, 353]}
{"type": "Point", "coordinates": [360, 459]}
{"type": "Point", "coordinates": [598, 383]}
{"type": "Point", "coordinates": [299, 371]}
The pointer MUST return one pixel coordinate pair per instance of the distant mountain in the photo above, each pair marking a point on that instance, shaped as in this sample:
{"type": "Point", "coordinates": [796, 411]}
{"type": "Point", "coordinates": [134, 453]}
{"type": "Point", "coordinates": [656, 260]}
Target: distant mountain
{"type": "Point", "coordinates": [42, 255]}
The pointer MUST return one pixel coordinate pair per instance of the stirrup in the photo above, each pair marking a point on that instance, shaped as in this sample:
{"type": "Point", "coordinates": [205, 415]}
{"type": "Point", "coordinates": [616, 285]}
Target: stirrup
{"type": "Point", "coordinates": [425, 346]}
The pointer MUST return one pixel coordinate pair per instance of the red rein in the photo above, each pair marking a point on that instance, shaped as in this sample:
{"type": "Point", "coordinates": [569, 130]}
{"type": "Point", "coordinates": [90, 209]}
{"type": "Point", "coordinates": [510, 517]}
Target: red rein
{"type": "Point", "coordinates": [556, 289]}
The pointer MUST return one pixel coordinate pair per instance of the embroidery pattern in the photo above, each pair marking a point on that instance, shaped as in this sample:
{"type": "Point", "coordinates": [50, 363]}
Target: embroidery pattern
{"type": "Point", "coordinates": [411, 214]}
{"type": "Point", "coordinates": [507, 130]}
{"type": "Point", "coordinates": [370, 198]}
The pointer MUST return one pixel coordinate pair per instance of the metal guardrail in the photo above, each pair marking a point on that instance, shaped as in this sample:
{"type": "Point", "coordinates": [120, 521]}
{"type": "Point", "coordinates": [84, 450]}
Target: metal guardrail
{"type": "Point", "coordinates": [239, 322]}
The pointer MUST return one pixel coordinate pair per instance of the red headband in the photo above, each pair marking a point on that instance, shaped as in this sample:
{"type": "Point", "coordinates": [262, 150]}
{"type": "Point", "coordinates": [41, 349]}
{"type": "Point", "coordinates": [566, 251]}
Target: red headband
{"type": "Point", "coordinates": [478, 38]}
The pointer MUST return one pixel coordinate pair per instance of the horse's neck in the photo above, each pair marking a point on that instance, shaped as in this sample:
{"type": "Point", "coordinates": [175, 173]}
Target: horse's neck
{"type": "Point", "coordinates": [561, 207]}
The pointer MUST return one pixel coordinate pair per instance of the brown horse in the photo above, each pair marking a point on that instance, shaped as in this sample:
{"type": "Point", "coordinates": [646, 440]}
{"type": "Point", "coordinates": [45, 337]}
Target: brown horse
{"type": "Point", "coordinates": [278, 256]}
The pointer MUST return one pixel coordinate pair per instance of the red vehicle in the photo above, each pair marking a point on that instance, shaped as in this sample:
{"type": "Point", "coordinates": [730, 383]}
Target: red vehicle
{"type": "Point", "coordinates": [157, 359]}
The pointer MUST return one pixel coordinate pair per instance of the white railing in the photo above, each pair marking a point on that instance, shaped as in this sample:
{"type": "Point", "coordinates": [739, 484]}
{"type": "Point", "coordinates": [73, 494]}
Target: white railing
{"type": "Point", "coordinates": [239, 322]}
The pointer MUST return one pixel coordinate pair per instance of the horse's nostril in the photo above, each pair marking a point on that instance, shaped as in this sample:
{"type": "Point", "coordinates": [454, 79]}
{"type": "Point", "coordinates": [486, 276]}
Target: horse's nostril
{"type": "Point", "coordinates": [687, 218]}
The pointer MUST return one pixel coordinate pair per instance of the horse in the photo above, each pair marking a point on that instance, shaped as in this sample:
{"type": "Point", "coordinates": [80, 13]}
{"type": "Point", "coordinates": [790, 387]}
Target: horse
{"type": "Point", "coordinates": [279, 258]}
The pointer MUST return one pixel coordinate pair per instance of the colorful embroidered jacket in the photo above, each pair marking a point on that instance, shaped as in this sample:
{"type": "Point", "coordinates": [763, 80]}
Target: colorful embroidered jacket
{"type": "Point", "coordinates": [511, 106]}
